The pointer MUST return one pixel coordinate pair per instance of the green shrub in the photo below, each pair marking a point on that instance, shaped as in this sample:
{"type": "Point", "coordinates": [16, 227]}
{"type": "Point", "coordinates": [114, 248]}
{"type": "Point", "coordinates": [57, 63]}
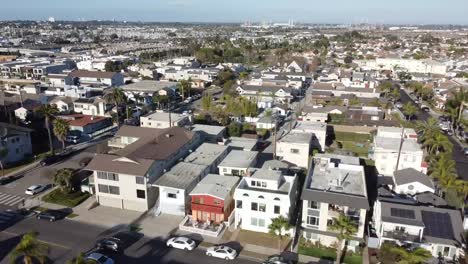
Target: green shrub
{"type": "Point", "coordinates": [66, 199]}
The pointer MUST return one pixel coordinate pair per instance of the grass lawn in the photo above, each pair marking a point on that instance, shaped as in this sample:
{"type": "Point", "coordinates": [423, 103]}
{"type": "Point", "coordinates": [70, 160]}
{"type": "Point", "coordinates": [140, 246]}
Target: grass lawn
{"type": "Point", "coordinates": [361, 149]}
{"type": "Point", "coordinates": [66, 199]}
{"type": "Point", "coordinates": [354, 137]}
{"type": "Point", "coordinates": [328, 254]}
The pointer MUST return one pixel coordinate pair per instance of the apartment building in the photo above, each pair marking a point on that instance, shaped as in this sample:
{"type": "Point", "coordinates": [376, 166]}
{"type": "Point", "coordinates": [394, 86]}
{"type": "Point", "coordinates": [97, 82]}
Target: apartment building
{"type": "Point", "coordinates": [160, 119]}
{"type": "Point", "coordinates": [335, 185]}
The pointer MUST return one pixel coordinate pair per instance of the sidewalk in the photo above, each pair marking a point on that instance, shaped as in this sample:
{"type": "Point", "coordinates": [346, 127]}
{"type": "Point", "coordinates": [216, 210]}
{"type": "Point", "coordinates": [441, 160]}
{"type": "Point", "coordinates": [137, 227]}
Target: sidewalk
{"type": "Point", "coordinates": [24, 169]}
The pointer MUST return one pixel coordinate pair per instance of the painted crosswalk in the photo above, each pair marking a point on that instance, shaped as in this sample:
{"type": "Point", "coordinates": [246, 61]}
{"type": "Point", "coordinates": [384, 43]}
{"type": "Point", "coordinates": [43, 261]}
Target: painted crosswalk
{"type": "Point", "coordinates": [10, 199]}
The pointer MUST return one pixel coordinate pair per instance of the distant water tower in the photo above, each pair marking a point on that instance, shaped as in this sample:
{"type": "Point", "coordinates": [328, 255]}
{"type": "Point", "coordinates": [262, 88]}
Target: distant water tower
{"type": "Point", "coordinates": [51, 19]}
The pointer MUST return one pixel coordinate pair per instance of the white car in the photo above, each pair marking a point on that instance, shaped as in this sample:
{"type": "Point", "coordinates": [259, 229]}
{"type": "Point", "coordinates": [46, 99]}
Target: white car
{"type": "Point", "coordinates": [100, 258]}
{"type": "Point", "coordinates": [35, 189]}
{"type": "Point", "coordinates": [181, 243]}
{"type": "Point", "coordinates": [223, 252]}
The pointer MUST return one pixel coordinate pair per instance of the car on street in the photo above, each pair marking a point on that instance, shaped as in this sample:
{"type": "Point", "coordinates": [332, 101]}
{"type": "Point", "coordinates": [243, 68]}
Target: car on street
{"type": "Point", "coordinates": [110, 243]}
{"type": "Point", "coordinates": [51, 215]}
{"type": "Point", "coordinates": [277, 259]}
{"type": "Point", "coordinates": [425, 108]}
{"type": "Point", "coordinates": [181, 243]}
{"type": "Point", "coordinates": [223, 252]}
{"type": "Point", "coordinates": [51, 160]}
{"type": "Point", "coordinates": [465, 151]}
{"type": "Point", "coordinates": [99, 258]}
{"type": "Point", "coordinates": [35, 189]}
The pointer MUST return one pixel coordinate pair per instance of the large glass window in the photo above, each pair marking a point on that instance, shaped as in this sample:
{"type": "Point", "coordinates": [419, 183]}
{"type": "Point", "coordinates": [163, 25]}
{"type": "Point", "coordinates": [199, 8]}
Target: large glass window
{"type": "Point", "coordinates": [277, 209]}
{"type": "Point", "coordinates": [262, 207]}
{"type": "Point", "coordinates": [140, 180]}
{"type": "Point", "coordinates": [312, 220]}
{"type": "Point", "coordinates": [141, 194]}
{"type": "Point", "coordinates": [254, 206]}
{"type": "Point", "coordinates": [313, 204]}
{"type": "Point", "coordinates": [239, 204]}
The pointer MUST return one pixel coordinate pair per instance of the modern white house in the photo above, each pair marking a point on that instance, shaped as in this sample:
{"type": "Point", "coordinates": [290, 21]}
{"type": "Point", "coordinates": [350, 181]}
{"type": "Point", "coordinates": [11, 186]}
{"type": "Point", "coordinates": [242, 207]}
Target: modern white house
{"type": "Point", "coordinates": [392, 146]}
{"type": "Point", "coordinates": [318, 131]}
{"type": "Point", "coordinates": [136, 158]}
{"type": "Point", "coordinates": [90, 106]}
{"type": "Point", "coordinates": [265, 195]}
{"type": "Point", "coordinates": [238, 162]}
{"type": "Point", "coordinates": [335, 185]}
{"type": "Point", "coordinates": [97, 77]}
{"type": "Point", "coordinates": [438, 230]}
{"type": "Point", "coordinates": [160, 119]}
{"type": "Point", "coordinates": [295, 148]}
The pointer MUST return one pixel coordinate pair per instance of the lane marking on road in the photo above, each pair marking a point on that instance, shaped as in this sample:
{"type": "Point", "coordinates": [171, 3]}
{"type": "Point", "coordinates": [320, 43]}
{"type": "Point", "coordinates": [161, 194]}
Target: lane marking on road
{"type": "Point", "coordinates": [15, 201]}
{"type": "Point", "coordinates": [8, 199]}
{"type": "Point", "coordinates": [41, 240]}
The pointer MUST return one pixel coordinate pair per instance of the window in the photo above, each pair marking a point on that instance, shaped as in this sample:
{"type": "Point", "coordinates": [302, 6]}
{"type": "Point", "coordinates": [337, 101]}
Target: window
{"type": "Point", "coordinates": [140, 180]}
{"type": "Point", "coordinates": [400, 228]}
{"type": "Point", "coordinates": [172, 195]}
{"type": "Point", "coordinates": [108, 189]}
{"type": "Point", "coordinates": [114, 190]}
{"type": "Point", "coordinates": [141, 194]}
{"type": "Point", "coordinates": [295, 151]}
{"type": "Point", "coordinates": [254, 206]}
{"type": "Point", "coordinates": [410, 187]}
{"type": "Point", "coordinates": [245, 195]}
{"type": "Point", "coordinates": [262, 207]}
{"type": "Point", "coordinates": [239, 204]}
{"type": "Point", "coordinates": [103, 188]}
{"type": "Point", "coordinates": [276, 199]}
{"type": "Point", "coordinates": [108, 176]}
{"type": "Point", "coordinates": [216, 202]}
{"type": "Point", "coordinates": [446, 251]}
{"type": "Point", "coordinates": [261, 197]}
{"type": "Point", "coordinates": [313, 205]}
{"type": "Point", "coordinates": [312, 220]}
{"type": "Point", "coordinates": [257, 222]}
{"type": "Point", "coordinates": [264, 185]}
{"type": "Point", "coordinates": [277, 209]}
{"type": "Point", "coordinates": [224, 170]}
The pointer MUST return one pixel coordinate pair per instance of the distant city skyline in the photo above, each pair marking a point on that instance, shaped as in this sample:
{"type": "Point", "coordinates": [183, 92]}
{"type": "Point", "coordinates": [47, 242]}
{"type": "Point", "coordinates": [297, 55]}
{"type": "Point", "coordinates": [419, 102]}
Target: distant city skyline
{"type": "Point", "coordinates": [305, 11]}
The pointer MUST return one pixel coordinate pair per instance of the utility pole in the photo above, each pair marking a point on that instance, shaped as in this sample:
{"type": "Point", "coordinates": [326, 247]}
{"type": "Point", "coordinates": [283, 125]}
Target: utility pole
{"type": "Point", "coordinates": [399, 149]}
{"type": "Point", "coordinates": [169, 111]}
{"type": "Point", "coordinates": [274, 140]}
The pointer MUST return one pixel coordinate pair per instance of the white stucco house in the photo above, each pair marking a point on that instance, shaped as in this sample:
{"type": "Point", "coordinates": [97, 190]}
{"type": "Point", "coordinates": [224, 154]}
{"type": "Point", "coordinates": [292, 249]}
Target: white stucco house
{"type": "Point", "coordinates": [238, 162]}
{"type": "Point", "coordinates": [410, 181]}
{"type": "Point", "coordinates": [295, 148]}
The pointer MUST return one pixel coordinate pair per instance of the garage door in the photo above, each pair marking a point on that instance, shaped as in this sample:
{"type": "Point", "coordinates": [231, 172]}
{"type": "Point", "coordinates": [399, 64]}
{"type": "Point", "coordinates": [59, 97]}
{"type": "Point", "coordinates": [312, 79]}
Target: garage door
{"type": "Point", "coordinates": [111, 202]}
{"type": "Point", "coordinates": [135, 205]}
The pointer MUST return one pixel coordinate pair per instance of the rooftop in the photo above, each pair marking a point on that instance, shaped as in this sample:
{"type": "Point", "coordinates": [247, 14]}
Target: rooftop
{"type": "Point", "coordinates": [149, 85]}
{"type": "Point", "coordinates": [410, 175]}
{"type": "Point", "coordinates": [210, 130]}
{"type": "Point", "coordinates": [297, 137]}
{"type": "Point", "coordinates": [242, 143]}
{"type": "Point", "coordinates": [216, 185]}
{"type": "Point", "coordinates": [79, 120]}
{"type": "Point", "coordinates": [181, 176]}
{"type": "Point", "coordinates": [239, 159]}
{"type": "Point", "coordinates": [164, 116]}
{"type": "Point", "coordinates": [265, 174]}
{"type": "Point", "coordinates": [92, 74]}
{"type": "Point", "coordinates": [393, 144]}
{"type": "Point", "coordinates": [206, 154]}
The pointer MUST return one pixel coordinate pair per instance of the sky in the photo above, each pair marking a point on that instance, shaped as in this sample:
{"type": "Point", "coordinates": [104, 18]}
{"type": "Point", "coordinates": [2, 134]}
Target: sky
{"type": "Point", "coordinates": [306, 11]}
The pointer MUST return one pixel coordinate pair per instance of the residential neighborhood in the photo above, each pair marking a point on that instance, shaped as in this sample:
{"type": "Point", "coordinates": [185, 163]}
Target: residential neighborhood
{"type": "Point", "coordinates": [256, 142]}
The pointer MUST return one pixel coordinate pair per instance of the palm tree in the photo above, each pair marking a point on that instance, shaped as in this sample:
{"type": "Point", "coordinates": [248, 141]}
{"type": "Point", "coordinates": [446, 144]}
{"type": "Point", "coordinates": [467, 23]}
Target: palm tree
{"type": "Point", "coordinates": [346, 229]}
{"type": "Point", "coordinates": [438, 143]}
{"type": "Point", "coordinates": [117, 97]}
{"type": "Point", "coordinates": [30, 248]}
{"type": "Point", "coordinates": [64, 179]}
{"type": "Point", "coordinates": [3, 154]}
{"type": "Point", "coordinates": [409, 110]}
{"type": "Point", "coordinates": [184, 87]}
{"type": "Point", "coordinates": [428, 128]}
{"type": "Point", "coordinates": [416, 256]}
{"type": "Point", "coordinates": [49, 113]}
{"type": "Point", "coordinates": [278, 226]}
{"type": "Point", "coordinates": [442, 167]}
{"type": "Point", "coordinates": [61, 129]}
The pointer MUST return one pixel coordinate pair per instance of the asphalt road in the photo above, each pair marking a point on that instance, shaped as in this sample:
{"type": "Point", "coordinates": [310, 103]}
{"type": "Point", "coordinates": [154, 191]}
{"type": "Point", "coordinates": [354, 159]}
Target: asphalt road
{"type": "Point", "coordinates": [67, 239]}
{"type": "Point", "coordinates": [458, 155]}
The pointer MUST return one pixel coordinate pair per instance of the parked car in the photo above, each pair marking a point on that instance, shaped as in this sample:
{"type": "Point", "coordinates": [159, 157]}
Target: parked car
{"type": "Point", "coordinates": [100, 258]}
{"type": "Point", "coordinates": [51, 160]}
{"type": "Point", "coordinates": [73, 137]}
{"type": "Point", "coordinates": [465, 150]}
{"type": "Point", "coordinates": [223, 252]}
{"type": "Point", "coordinates": [51, 215]}
{"type": "Point", "coordinates": [110, 244]}
{"type": "Point", "coordinates": [277, 259]}
{"type": "Point", "coordinates": [425, 108]}
{"type": "Point", "coordinates": [181, 243]}
{"type": "Point", "coordinates": [399, 105]}
{"type": "Point", "coordinates": [35, 189]}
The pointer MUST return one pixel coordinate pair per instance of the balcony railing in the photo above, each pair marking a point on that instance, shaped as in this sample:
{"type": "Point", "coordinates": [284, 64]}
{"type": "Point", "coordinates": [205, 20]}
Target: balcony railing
{"type": "Point", "coordinates": [401, 236]}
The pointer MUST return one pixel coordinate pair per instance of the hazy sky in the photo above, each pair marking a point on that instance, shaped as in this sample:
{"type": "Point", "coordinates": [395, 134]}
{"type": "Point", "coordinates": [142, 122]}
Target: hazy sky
{"type": "Point", "coordinates": [313, 11]}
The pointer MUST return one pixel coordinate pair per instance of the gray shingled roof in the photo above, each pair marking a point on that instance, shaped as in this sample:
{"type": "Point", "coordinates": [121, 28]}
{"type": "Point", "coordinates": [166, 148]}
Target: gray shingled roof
{"type": "Point", "coordinates": [216, 185]}
{"type": "Point", "coordinates": [182, 175]}
{"type": "Point", "coordinates": [410, 175]}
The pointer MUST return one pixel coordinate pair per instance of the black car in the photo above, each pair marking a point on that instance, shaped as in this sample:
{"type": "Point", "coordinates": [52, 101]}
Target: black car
{"type": "Point", "coordinates": [51, 215]}
{"type": "Point", "coordinates": [8, 218]}
{"type": "Point", "coordinates": [51, 160]}
{"type": "Point", "coordinates": [277, 259]}
{"type": "Point", "coordinates": [110, 243]}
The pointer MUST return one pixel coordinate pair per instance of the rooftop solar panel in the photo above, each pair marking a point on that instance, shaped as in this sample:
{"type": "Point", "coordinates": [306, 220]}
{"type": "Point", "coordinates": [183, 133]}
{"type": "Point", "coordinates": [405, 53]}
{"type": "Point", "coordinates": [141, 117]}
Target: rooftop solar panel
{"type": "Point", "coordinates": [437, 225]}
{"type": "Point", "coordinates": [402, 213]}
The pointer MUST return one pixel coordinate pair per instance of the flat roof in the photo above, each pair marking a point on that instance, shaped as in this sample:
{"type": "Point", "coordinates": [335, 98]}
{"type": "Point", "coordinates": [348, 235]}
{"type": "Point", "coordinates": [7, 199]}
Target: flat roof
{"type": "Point", "coordinates": [265, 174]}
{"type": "Point", "coordinates": [149, 85]}
{"type": "Point", "coordinates": [164, 116]}
{"type": "Point", "coordinates": [239, 159]}
{"type": "Point", "coordinates": [216, 185]}
{"type": "Point", "coordinates": [206, 154]}
{"type": "Point", "coordinates": [181, 176]}
{"type": "Point", "coordinates": [243, 143]}
{"type": "Point", "coordinates": [297, 137]}
{"type": "Point", "coordinates": [210, 130]}
{"type": "Point", "coordinates": [394, 144]}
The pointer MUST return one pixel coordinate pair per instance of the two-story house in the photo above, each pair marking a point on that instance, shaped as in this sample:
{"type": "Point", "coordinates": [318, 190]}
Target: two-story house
{"type": "Point", "coordinates": [295, 148]}
{"type": "Point", "coordinates": [405, 222]}
{"type": "Point", "coordinates": [16, 141]}
{"type": "Point", "coordinates": [335, 185]}
{"type": "Point", "coordinates": [264, 195]}
{"type": "Point", "coordinates": [160, 119]}
{"type": "Point", "coordinates": [124, 176]}
{"type": "Point", "coordinates": [90, 106]}
{"type": "Point", "coordinates": [392, 146]}
{"type": "Point", "coordinates": [212, 198]}
{"type": "Point", "coordinates": [97, 77]}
